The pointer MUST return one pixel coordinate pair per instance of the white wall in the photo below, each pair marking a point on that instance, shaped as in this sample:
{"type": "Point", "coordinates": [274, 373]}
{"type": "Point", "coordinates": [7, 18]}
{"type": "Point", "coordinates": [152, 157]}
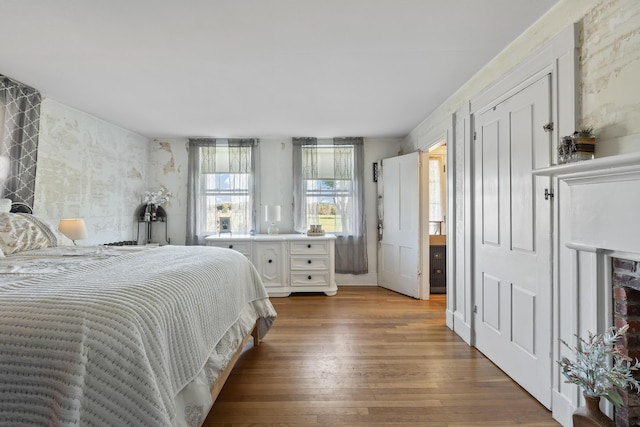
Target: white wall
{"type": "Point", "coordinates": [168, 167]}
{"type": "Point", "coordinates": [91, 169]}
{"type": "Point", "coordinates": [608, 72]}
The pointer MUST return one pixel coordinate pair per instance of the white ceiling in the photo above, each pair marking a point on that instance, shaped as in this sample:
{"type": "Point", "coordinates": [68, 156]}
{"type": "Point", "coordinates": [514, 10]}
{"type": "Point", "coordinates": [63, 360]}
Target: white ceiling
{"type": "Point", "coordinates": [256, 68]}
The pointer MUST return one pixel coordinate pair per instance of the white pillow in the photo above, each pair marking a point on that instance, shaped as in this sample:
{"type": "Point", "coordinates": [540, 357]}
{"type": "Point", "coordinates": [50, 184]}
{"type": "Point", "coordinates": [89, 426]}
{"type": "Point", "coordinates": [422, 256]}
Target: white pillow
{"type": "Point", "coordinates": [5, 205]}
{"type": "Point", "coordinates": [19, 233]}
{"type": "Point", "coordinates": [23, 232]}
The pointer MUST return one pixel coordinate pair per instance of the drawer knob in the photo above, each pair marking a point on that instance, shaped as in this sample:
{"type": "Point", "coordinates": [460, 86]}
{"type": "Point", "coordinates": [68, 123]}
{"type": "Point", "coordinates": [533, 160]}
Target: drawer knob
{"type": "Point", "coordinates": [230, 246]}
{"type": "Point", "coordinates": [309, 262]}
{"type": "Point", "coordinates": [309, 246]}
{"type": "Point", "coordinates": [309, 277]}
{"type": "Point", "coordinates": [270, 261]}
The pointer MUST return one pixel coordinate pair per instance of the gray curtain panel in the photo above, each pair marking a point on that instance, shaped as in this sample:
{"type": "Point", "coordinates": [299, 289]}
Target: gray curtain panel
{"type": "Point", "coordinates": [19, 144]}
{"type": "Point", "coordinates": [347, 164]}
{"type": "Point", "coordinates": [351, 245]}
{"type": "Point", "coordinates": [237, 159]}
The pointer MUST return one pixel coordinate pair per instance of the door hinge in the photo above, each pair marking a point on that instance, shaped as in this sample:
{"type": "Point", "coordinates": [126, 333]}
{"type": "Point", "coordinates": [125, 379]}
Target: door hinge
{"type": "Point", "coordinates": [548, 194]}
{"type": "Point", "coordinates": [548, 127]}
{"type": "Point", "coordinates": [475, 308]}
{"type": "Point", "coordinates": [474, 135]}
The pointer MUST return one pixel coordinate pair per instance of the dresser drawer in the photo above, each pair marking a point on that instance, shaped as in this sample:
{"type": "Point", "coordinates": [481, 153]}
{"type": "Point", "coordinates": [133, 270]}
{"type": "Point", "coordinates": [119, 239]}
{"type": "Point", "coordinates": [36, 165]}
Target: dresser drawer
{"type": "Point", "coordinates": [309, 278]}
{"type": "Point", "coordinates": [311, 262]}
{"type": "Point", "coordinates": [243, 247]}
{"type": "Point", "coordinates": [310, 247]}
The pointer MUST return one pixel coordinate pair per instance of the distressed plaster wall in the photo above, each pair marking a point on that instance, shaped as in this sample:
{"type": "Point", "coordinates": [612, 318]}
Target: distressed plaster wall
{"type": "Point", "coordinates": [168, 169]}
{"type": "Point", "coordinates": [609, 87]}
{"type": "Point", "coordinates": [168, 166]}
{"type": "Point", "coordinates": [610, 75]}
{"type": "Point", "coordinates": [91, 169]}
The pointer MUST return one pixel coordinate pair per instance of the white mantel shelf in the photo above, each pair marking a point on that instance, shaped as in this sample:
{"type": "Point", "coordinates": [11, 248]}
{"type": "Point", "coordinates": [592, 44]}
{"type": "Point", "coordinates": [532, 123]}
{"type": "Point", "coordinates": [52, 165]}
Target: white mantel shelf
{"type": "Point", "coordinates": [613, 167]}
{"type": "Point", "coordinates": [600, 199]}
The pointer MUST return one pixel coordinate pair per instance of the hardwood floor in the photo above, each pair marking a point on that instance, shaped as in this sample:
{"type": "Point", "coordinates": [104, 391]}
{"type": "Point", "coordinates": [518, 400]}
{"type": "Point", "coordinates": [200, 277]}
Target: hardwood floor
{"type": "Point", "coordinates": [369, 357]}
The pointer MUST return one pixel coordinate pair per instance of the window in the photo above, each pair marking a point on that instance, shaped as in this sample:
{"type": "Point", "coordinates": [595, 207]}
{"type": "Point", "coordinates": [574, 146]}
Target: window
{"type": "Point", "coordinates": [328, 190]}
{"type": "Point", "coordinates": [221, 175]}
{"type": "Point", "coordinates": [436, 195]}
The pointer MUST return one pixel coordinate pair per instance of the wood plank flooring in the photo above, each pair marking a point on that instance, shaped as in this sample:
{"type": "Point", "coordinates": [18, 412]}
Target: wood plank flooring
{"type": "Point", "coordinates": [369, 357]}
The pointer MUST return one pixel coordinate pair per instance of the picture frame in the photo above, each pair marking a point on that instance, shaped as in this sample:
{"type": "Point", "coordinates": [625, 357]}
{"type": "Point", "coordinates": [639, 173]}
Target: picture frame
{"type": "Point", "coordinates": [225, 225]}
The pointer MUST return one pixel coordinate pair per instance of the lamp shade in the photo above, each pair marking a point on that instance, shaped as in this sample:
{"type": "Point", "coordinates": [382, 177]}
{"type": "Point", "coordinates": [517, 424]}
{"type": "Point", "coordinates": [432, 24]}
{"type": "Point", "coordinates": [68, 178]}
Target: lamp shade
{"type": "Point", "coordinates": [73, 228]}
{"type": "Point", "coordinates": [272, 213]}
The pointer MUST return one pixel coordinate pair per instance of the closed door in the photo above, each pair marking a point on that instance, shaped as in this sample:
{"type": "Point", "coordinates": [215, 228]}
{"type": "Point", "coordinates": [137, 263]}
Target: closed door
{"type": "Point", "coordinates": [398, 267]}
{"type": "Point", "coordinates": [513, 238]}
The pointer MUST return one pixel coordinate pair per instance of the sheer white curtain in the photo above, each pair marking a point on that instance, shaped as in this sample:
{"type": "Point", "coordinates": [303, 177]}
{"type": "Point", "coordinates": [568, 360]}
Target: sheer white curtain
{"type": "Point", "coordinates": [333, 170]}
{"type": "Point", "coordinates": [220, 183]}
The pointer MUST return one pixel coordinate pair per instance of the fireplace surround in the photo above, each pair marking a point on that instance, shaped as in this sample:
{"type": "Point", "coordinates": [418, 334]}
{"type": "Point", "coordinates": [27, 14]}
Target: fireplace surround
{"type": "Point", "coordinates": [596, 266]}
{"type": "Point", "coordinates": [626, 311]}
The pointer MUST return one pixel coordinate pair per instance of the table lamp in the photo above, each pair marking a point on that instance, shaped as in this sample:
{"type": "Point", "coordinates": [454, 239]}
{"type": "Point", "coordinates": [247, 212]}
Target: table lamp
{"type": "Point", "coordinates": [272, 215]}
{"type": "Point", "coordinates": [73, 228]}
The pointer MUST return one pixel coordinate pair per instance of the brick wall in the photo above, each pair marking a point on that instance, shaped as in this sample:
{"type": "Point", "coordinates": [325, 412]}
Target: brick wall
{"type": "Point", "coordinates": [626, 307]}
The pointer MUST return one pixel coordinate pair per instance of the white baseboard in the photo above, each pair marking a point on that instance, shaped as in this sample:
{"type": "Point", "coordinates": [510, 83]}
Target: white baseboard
{"type": "Point", "coordinates": [461, 328]}
{"type": "Point", "coordinates": [357, 284]}
{"type": "Point", "coordinates": [562, 409]}
{"type": "Point", "coordinates": [369, 279]}
{"type": "Point", "coordinates": [449, 319]}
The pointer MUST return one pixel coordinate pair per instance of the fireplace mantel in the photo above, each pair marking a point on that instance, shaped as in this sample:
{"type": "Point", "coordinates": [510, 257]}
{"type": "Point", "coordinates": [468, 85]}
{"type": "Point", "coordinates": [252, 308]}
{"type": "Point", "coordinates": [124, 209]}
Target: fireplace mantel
{"type": "Point", "coordinates": [621, 165]}
{"type": "Point", "coordinates": [596, 218]}
{"type": "Point", "coordinates": [602, 202]}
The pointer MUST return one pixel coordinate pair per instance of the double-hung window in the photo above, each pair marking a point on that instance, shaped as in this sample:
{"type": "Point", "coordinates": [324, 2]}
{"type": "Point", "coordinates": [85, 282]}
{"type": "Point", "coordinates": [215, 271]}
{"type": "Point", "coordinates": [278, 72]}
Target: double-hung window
{"type": "Point", "coordinates": [328, 191]}
{"type": "Point", "coordinates": [221, 186]}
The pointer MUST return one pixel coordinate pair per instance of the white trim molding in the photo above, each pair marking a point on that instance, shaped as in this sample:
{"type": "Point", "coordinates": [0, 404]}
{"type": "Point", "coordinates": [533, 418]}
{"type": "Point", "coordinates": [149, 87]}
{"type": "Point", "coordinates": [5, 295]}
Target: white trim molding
{"type": "Point", "coordinates": [596, 205]}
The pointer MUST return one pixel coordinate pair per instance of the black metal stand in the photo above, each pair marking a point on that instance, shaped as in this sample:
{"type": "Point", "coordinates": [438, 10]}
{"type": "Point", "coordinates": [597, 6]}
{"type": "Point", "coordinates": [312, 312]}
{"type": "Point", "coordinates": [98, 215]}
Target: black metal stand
{"type": "Point", "coordinates": [161, 218]}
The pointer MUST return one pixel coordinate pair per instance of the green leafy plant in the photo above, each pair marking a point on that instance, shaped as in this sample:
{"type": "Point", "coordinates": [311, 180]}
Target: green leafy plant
{"type": "Point", "coordinates": [586, 132]}
{"type": "Point", "coordinates": [600, 368]}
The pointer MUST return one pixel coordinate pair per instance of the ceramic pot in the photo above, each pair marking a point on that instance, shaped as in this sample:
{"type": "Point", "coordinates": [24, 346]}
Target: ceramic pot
{"type": "Point", "coordinates": [590, 415]}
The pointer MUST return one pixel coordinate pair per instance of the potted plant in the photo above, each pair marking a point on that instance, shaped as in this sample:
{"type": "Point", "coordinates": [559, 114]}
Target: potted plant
{"type": "Point", "coordinates": [599, 369]}
{"type": "Point", "coordinates": [586, 135]}
{"type": "Point", "coordinates": [583, 144]}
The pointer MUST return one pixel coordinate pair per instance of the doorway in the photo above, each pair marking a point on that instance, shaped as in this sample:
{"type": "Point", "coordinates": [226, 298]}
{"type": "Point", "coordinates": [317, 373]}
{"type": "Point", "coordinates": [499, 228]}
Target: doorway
{"type": "Point", "coordinates": [412, 226]}
{"type": "Point", "coordinates": [436, 194]}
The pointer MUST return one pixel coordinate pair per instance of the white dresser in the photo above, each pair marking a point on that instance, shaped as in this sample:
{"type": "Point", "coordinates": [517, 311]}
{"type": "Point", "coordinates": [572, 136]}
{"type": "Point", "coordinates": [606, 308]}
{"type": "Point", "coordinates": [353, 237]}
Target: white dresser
{"type": "Point", "coordinates": [287, 262]}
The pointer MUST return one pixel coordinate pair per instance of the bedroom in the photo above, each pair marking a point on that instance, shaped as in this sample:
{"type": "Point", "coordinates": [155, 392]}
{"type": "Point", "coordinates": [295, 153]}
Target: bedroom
{"type": "Point", "coordinates": [92, 169]}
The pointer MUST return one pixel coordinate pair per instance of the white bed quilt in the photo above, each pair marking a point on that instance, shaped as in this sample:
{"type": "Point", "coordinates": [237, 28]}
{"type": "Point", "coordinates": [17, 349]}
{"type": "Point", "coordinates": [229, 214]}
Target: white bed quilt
{"type": "Point", "coordinates": [113, 342]}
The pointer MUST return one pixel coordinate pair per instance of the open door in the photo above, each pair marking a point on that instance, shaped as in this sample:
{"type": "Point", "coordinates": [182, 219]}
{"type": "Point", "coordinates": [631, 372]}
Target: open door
{"type": "Point", "coordinates": [399, 253]}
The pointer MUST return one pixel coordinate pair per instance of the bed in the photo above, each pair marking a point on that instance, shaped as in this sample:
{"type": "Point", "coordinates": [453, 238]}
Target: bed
{"type": "Point", "coordinates": [125, 335]}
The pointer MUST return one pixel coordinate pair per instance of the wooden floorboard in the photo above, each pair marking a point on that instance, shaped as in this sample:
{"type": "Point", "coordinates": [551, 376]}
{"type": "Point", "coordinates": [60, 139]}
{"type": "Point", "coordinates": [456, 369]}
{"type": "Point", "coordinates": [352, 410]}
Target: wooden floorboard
{"type": "Point", "coordinates": [369, 357]}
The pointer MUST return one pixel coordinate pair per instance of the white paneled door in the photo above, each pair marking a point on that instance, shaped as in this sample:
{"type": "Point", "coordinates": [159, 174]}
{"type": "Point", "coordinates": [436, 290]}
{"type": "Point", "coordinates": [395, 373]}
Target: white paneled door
{"type": "Point", "coordinates": [399, 248]}
{"type": "Point", "coordinates": [513, 238]}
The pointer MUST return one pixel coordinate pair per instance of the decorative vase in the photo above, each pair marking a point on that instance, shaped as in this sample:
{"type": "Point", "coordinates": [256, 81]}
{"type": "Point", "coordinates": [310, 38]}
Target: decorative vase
{"type": "Point", "coordinates": [590, 415]}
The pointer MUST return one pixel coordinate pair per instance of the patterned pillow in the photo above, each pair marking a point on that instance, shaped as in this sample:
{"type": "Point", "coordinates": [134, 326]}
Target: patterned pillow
{"type": "Point", "coordinates": [23, 232]}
